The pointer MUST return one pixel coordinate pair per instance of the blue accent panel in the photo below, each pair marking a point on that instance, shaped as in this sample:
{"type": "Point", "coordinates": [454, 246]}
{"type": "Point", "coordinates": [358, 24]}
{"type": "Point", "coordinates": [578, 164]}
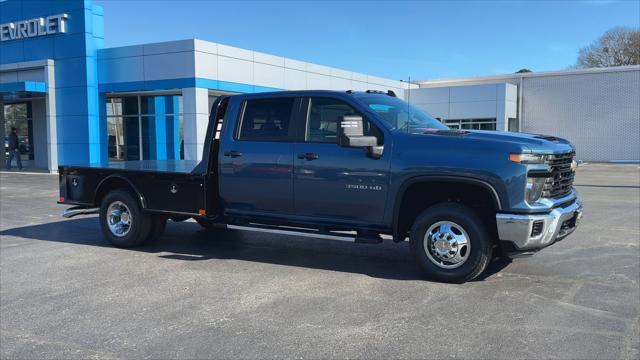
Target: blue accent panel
{"type": "Point", "coordinates": [71, 45]}
{"type": "Point", "coordinates": [148, 85]}
{"type": "Point", "coordinates": [258, 89]}
{"type": "Point", "coordinates": [175, 128]}
{"type": "Point", "coordinates": [76, 100]}
{"type": "Point", "coordinates": [168, 84]}
{"type": "Point", "coordinates": [73, 153]}
{"type": "Point", "coordinates": [160, 131]}
{"type": "Point", "coordinates": [207, 83]}
{"type": "Point", "coordinates": [81, 132]}
{"type": "Point", "coordinates": [33, 86]}
{"type": "Point", "coordinates": [235, 87]}
{"type": "Point", "coordinates": [98, 25]}
{"type": "Point", "coordinates": [10, 11]}
{"type": "Point", "coordinates": [11, 52]}
{"type": "Point", "coordinates": [75, 72]}
{"type": "Point", "coordinates": [102, 125]}
{"type": "Point", "coordinates": [94, 153]}
{"type": "Point", "coordinates": [38, 48]}
{"type": "Point", "coordinates": [73, 129]}
{"type": "Point", "coordinates": [97, 10]}
{"type": "Point", "coordinates": [36, 8]}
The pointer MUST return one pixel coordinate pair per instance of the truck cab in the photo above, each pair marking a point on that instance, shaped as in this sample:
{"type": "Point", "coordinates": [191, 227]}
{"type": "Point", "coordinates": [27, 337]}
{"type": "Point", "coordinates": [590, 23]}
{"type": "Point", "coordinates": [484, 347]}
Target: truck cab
{"type": "Point", "coordinates": [348, 166]}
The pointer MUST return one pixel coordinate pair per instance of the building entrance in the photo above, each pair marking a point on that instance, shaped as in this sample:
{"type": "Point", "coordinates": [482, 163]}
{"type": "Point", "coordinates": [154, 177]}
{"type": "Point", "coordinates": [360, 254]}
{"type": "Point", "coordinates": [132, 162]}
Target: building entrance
{"type": "Point", "coordinates": [19, 115]}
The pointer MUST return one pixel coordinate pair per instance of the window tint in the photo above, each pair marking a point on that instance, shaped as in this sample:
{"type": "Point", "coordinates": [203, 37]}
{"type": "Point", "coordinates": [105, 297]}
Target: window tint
{"type": "Point", "coordinates": [266, 119]}
{"type": "Point", "coordinates": [324, 115]}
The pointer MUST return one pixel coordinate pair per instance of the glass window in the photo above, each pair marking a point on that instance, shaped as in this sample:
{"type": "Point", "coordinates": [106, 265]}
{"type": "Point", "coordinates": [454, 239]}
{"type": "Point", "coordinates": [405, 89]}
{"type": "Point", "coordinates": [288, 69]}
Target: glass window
{"type": "Point", "coordinates": [266, 119]}
{"type": "Point", "coordinates": [155, 132]}
{"type": "Point", "coordinates": [471, 124]}
{"type": "Point", "coordinates": [130, 106]}
{"type": "Point", "coordinates": [399, 114]}
{"type": "Point", "coordinates": [161, 104]}
{"type": "Point", "coordinates": [114, 107]}
{"type": "Point", "coordinates": [323, 117]}
{"type": "Point", "coordinates": [322, 120]}
{"type": "Point", "coordinates": [116, 145]}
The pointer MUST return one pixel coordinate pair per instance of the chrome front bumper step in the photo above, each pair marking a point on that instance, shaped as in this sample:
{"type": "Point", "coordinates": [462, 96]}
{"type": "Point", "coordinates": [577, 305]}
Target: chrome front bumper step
{"type": "Point", "coordinates": [79, 210]}
{"type": "Point", "coordinates": [557, 224]}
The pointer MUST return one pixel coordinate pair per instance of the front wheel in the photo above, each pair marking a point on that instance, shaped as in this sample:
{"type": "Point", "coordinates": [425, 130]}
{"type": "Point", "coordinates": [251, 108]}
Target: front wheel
{"type": "Point", "coordinates": [122, 221]}
{"type": "Point", "coordinates": [451, 243]}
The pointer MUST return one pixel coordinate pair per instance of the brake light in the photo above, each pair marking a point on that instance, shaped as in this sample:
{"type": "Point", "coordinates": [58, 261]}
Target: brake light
{"type": "Point", "coordinates": [61, 199]}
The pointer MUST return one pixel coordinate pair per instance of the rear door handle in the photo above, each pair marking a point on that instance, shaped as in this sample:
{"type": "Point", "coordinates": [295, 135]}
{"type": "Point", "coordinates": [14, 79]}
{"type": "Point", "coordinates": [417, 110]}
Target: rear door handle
{"type": "Point", "coordinates": [233, 153]}
{"type": "Point", "coordinates": [308, 156]}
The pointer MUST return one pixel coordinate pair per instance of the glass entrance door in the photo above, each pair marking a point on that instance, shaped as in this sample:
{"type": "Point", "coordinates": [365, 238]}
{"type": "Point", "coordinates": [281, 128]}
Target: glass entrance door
{"type": "Point", "coordinates": [18, 115]}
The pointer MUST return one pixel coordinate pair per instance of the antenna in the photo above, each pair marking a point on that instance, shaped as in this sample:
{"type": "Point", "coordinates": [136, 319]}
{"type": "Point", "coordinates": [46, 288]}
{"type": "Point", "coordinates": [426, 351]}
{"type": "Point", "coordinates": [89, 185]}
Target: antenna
{"type": "Point", "coordinates": [408, 103]}
{"type": "Point", "coordinates": [409, 95]}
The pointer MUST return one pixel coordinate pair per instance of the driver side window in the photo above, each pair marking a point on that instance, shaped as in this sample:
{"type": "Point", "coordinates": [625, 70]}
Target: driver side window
{"type": "Point", "coordinates": [323, 117]}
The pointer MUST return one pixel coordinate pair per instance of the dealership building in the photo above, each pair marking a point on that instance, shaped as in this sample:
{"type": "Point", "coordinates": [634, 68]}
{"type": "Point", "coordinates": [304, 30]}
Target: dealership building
{"type": "Point", "coordinates": [74, 101]}
{"type": "Point", "coordinates": [598, 110]}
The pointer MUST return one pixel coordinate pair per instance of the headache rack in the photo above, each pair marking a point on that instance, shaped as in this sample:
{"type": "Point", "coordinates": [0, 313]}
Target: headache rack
{"type": "Point", "coordinates": [560, 182]}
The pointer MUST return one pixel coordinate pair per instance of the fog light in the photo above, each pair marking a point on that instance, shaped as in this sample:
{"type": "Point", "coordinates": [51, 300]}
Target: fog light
{"type": "Point", "coordinates": [534, 189]}
{"type": "Point", "coordinates": [537, 228]}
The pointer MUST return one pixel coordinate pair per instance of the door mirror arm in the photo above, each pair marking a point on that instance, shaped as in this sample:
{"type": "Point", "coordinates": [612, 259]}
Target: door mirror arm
{"type": "Point", "coordinates": [375, 152]}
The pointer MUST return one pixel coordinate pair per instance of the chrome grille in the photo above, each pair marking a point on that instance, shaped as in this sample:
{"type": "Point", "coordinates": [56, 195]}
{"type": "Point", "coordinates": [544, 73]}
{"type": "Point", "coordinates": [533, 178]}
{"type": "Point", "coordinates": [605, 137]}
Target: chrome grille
{"type": "Point", "coordinates": [561, 180]}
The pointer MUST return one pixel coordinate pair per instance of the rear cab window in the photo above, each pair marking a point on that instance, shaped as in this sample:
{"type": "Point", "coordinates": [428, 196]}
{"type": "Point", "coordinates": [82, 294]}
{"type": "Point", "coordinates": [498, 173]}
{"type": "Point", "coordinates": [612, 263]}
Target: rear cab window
{"type": "Point", "coordinates": [266, 119]}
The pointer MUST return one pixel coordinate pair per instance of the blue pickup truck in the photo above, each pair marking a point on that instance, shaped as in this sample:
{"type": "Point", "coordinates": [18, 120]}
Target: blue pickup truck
{"type": "Point", "coordinates": [347, 166]}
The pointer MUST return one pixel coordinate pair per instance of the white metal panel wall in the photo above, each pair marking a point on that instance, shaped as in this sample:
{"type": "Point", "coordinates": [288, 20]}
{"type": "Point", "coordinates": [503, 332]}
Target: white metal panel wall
{"type": "Point", "coordinates": [207, 60]}
{"type": "Point", "coordinates": [598, 112]}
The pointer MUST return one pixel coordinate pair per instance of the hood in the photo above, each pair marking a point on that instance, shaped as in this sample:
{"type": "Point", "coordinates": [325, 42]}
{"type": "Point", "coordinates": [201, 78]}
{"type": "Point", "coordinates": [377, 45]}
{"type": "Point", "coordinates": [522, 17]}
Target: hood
{"type": "Point", "coordinates": [534, 142]}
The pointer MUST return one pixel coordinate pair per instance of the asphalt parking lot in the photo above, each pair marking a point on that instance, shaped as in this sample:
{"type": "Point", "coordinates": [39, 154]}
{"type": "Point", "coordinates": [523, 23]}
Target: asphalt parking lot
{"type": "Point", "coordinates": [65, 293]}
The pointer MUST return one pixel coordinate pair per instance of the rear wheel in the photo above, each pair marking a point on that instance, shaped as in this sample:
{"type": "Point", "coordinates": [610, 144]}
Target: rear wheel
{"type": "Point", "coordinates": [451, 243]}
{"type": "Point", "coordinates": [122, 221]}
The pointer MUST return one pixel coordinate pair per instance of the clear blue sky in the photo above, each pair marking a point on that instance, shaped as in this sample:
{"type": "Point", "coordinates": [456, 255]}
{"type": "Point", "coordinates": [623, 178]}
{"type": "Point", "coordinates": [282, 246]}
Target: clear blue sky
{"type": "Point", "coordinates": [421, 39]}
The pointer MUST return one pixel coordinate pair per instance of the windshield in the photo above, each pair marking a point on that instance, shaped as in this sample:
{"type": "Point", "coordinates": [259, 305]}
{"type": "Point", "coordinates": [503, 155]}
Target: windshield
{"type": "Point", "coordinates": [400, 115]}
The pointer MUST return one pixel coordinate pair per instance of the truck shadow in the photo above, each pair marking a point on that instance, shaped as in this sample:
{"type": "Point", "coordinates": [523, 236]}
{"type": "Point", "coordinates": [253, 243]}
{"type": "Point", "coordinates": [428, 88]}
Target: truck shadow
{"type": "Point", "coordinates": [188, 242]}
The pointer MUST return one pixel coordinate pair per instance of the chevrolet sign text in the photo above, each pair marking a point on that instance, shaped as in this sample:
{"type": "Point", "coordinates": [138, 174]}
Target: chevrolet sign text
{"type": "Point", "coordinates": [54, 24]}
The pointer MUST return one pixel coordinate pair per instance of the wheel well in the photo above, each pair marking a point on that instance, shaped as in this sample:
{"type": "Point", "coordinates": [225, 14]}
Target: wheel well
{"type": "Point", "coordinates": [113, 183]}
{"type": "Point", "coordinates": [421, 195]}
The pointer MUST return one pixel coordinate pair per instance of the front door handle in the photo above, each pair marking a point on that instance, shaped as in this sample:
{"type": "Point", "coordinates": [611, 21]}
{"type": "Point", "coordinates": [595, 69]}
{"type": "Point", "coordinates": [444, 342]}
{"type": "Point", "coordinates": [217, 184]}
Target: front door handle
{"type": "Point", "coordinates": [308, 156]}
{"type": "Point", "coordinates": [233, 153]}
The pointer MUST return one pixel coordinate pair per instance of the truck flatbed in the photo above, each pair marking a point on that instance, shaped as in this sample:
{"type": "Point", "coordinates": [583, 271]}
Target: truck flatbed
{"type": "Point", "coordinates": [156, 166]}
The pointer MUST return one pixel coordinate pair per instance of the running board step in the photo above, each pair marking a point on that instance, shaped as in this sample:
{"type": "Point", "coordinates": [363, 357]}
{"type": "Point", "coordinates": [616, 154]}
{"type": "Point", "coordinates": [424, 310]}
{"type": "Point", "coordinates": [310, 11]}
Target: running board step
{"type": "Point", "coordinates": [79, 210]}
{"type": "Point", "coordinates": [308, 233]}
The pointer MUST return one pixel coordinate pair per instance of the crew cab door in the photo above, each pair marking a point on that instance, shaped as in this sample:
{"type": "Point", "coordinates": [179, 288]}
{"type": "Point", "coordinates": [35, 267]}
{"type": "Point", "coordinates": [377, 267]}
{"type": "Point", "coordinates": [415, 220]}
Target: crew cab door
{"type": "Point", "coordinates": [256, 157]}
{"type": "Point", "coordinates": [333, 182]}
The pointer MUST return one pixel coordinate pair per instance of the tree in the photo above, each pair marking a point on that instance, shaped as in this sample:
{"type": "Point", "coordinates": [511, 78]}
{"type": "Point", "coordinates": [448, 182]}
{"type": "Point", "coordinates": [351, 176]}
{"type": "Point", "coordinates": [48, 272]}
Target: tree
{"type": "Point", "coordinates": [523, 70]}
{"type": "Point", "coordinates": [617, 47]}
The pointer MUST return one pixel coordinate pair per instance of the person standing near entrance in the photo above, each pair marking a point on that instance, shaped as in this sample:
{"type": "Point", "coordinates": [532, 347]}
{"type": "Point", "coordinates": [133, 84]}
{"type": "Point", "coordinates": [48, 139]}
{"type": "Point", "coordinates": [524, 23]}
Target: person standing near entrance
{"type": "Point", "coordinates": [14, 151]}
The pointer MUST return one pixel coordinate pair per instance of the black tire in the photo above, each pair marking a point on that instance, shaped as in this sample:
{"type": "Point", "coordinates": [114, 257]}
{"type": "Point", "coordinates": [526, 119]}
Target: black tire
{"type": "Point", "coordinates": [158, 225]}
{"type": "Point", "coordinates": [140, 223]}
{"type": "Point", "coordinates": [479, 241]}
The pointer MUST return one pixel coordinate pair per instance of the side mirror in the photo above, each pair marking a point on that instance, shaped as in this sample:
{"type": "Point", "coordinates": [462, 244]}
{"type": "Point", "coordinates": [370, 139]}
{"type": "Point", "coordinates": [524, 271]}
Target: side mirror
{"type": "Point", "coordinates": [351, 133]}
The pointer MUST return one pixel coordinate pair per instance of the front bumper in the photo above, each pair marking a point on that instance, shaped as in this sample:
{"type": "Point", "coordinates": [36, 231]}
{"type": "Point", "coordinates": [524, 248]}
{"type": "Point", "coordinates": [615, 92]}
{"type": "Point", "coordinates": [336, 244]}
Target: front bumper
{"type": "Point", "coordinates": [519, 229]}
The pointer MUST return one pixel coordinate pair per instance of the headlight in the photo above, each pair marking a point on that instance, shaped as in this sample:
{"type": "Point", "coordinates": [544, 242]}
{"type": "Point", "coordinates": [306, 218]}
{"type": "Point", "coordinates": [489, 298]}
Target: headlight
{"type": "Point", "coordinates": [534, 189]}
{"type": "Point", "coordinates": [528, 158]}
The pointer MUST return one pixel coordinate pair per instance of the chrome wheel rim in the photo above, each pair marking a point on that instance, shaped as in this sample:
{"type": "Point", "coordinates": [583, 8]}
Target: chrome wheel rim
{"type": "Point", "coordinates": [119, 218]}
{"type": "Point", "coordinates": [447, 244]}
